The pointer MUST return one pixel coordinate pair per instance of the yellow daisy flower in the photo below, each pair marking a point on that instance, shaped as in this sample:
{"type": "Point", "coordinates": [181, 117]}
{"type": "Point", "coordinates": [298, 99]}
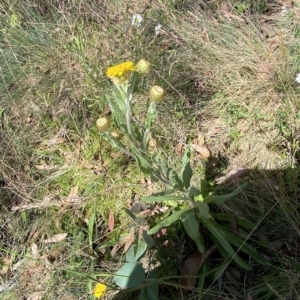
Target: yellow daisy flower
{"type": "Point", "coordinates": [99, 290]}
{"type": "Point", "coordinates": [120, 70]}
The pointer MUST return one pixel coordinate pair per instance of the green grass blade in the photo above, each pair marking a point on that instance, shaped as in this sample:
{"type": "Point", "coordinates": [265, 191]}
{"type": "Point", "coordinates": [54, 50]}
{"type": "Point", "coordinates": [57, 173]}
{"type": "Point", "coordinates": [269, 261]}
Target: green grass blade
{"type": "Point", "coordinates": [222, 238]}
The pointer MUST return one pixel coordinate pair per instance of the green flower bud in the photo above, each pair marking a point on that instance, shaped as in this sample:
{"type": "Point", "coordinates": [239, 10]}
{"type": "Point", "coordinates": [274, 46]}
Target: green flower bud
{"type": "Point", "coordinates": [103, 123]}
{"type": "Point", "coordinates": [152, 143]}
{"type": "Point", "coordinates": [143, 66]}
{"type": "Point", "coordinates": [117, 134]}
{"type": "Point", "coordinates": [156, 93]}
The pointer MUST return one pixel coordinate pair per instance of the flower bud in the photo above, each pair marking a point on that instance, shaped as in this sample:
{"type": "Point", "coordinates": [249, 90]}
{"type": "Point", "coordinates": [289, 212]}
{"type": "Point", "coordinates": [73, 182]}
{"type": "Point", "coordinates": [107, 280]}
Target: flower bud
{"type": "Point", "coordinates": [143, 66]}
{"type": "Point", "coordinates": [103, 123]}
{"type": "Point", "coordinates": [152, 143]}
{"type": "Point", "coordinates": [117, 134]}
{"type": "Point", "coordinates": [156, 93]}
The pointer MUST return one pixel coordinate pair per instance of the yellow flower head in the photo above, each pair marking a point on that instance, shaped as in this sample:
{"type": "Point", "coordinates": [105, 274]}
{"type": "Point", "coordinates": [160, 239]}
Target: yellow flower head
{"type": "Point", "coordinates": [120, 70]}
{"type": "Point", "coordinates": [99, 290]}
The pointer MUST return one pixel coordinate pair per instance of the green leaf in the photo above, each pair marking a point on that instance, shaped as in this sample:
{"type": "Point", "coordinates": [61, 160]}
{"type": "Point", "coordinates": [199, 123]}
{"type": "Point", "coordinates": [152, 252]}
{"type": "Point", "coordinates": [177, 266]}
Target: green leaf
{"type": "Point", "coordinates": [219, 270]}
{"type": "Point", "coordinates": [205, 188]}
{"type": "Point", "coordinates": [152, 290]}
{"type": "Point", "coordinates": [148, 239]}
{"type": "Point", "coordinates": [174, 179]}
{"type": "Point", "coordinates": [193, 192]}
{"type": "Point", "coordinates": [91, 229]}
{"type": "Point", "coordinates": [151, 115]}
{"type": "Point", "coordinates": [143, 164]}
{"type": "Point", "coordinates": [169, 220]}
{"type": "Point", "coordinates": [131, 275]}
{"type": "Point", "coordinates": [143, 295]}
{"type": "Point", "coordinates": [203, 210]}
{"type": "Point", "coordinates": [221, 237]}
{"type": "Point", "coordinates": [136, 251]}
{"type": "Point", "coordinates": [203, 273]}
{"type": "Point", "coordinates": [186, 171]}
{"type": "Point", "coordinates": [222, 198]}
{"type": "Point", "coordinates": [163, 198]}
{"type": "Point", "coordinates": [118, 108]}
{"type": "Point", "coordinates": [240, 221]}
{"type": "Point", "coordinates": [130, 214]}
{"type": "Point", "coordinates": [165, 192]}
{"type": "Point", "coordinates": [191, 226]}
{"type": "Point", "coordinates": [243, 246]}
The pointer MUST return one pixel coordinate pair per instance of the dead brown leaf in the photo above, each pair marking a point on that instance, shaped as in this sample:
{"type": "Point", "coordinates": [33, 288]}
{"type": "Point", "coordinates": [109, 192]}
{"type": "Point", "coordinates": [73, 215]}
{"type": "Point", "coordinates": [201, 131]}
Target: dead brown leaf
{"type": "Point", "coordinates": [111, 221]}
{"type": "Point", "coordinates": [73, 195]}
{"type": "Point", "coordinates": [236, 174]}
{"type": "Point", "coordinates": [125, 241]}
{"type": "Point", "coordinates": [161, 232]}
{"type": "Point", "coordinates": [52, 256]}
{"type": "Point", "coordinates": [202, 151]}
{"type": "Point", "coordinates": [56, 238]}
{"type": "Point", "coordinates": [149, 186]}
{"type": "Point", "coordinates": [179, 148]}
{"type": "Point", "coordinates": [45, 167]}
{"type": "Point", "coordinates": [199, 147]}
{"type": "Point", "coordinates": [191, 267]}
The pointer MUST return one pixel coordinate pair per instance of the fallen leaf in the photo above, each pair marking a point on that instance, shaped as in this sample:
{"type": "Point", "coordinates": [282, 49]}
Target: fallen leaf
{"type": "Point", "coordinates": [73, 195]}
{"type": "Point", "coordinates": [45, 167]}
{"type": "Point", "coordinates": [149, 186]}
{"type": "Point", "coordinates": [161, 232]}
{"type": "Point", "coordinates": [202, 151]}
{"type": "Point", "coordinates": [54, 253]}
{"type": "Point", "coordinates": [56, 238]}
{"type": "Point", "coordinates": [125, 241]}
{"type": "Point", "coordinates": [236, 174]}
{"type": "Point", "coordinates": [111, 221]}
{"type": "Point", "coordinates": [179, 148]}
{"type": "Point", "coordinates": [191, 267]}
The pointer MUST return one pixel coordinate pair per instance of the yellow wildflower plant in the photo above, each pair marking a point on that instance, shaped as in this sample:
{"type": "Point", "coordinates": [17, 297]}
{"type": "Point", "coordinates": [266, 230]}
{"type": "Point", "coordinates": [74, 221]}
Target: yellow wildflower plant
{"type": "Point", "coordinates": [99, 290]}
{"type": "Point", "coordinates": [120, 73]}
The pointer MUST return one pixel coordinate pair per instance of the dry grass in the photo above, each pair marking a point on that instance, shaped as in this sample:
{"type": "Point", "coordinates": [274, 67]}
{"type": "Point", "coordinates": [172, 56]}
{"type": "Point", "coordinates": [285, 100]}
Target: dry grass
{"type": "Point", "coordinates": [230, 77]}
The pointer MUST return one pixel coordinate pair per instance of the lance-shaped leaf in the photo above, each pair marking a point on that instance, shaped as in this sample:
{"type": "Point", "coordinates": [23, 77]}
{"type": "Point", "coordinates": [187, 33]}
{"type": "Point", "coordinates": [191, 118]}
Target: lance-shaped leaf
{"type": "Point", "coordinates": [223, 242]}
{"type": "Point", "coordinates": [152, 290]}
{"type": "Point", "coordinates": [243, 246]}
{"type": "Point", "coordinates": [117, 111]}
{"type": "Point", "coordinates": [240, 221]}
{"type": "Point", "coordinates": [203, 210]}
{"type": "Point", "coordinates": [169, 220]}
{"type": "Point", "coordinates": [222, 198]}
{"type": "Point", "coordinates": [143, 164]}
{"type": "Point", "coordinates": [174, 179]}
{"type": "Point", "coordinates": [153, 198]}
{"type": "Point", "coordinates": [186, 171]}
{"type": "Point", "coordinates": [191, 226]}
{"type": "Point", "coordinates": [151, 115]}
{"type": "Point", "coordinates": [193, 192]}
